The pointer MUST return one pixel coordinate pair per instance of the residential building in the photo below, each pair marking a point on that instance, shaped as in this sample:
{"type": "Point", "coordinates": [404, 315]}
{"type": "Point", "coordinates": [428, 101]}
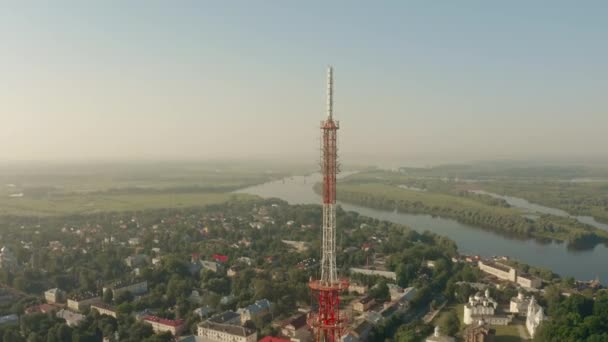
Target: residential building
{"type": "Point", "coordinates": [395, 291]}
{"type": "Point", "coordinates": [296, 329]}
{"type": "Point", "coordinates": [140, 315]}
{"type": "Point", "coordinates": [226, 317]}
{"type": "Point", "coordinates": [7, 259]}
{"type": "Point", "coordinates": [220, 258]}
{"type": "Point", "coordinates": [299, 246]}
{"type": "Point", "coordinates": [42, 308]}
{"type": "Point", "coordinates": [482, 306]}
{"type": "Point", "coordinates": [245, 260]}
{"type": "Point", "coordinates": [364, 304]}
{"type": "Point", "coordinates": [402, 303]}
{"type": "Point", "coordinates": [212, 266]}
{"type": "Point", "coordinates": [195, 298]}
{"type": "Point", "coordinates": [104, 309]}
{"type": "Point", "coordinates": [357, 288]}
{"type": "Point", "coordinates": [359, 333]}
{"type": "Point", "coordinates": [439, 337]}
{"type": "Point", "coordinates": [272, 339]}
{"type": "Point", "coordinates": [529, 281]}
{"type": "Point", "coordinates": [56, 246]}
{"type": "Point", "coordinates": [72, 319]}
{"type": "Point", "coordinates": [385, 274]}
{"type": "Point", "coordinates": [374, 317]}
{"type": "Point", "coordinates": [498, 270]}
{"type": "Point", "coordinates": [81, 302]}
{"type": "Point", "coordinates": [9, 320]}
{"type": "Point", "coordinates": [255, 310]}
{"type": "Point", "coordinates": [534, 317]}
{"type": "Point", "coordinates": [234, 270]}
{"type": "Point", "coordinates": [220, 332]}
{"type": "Point", "coordinates": [508, 273]}
{"type": "Point", "coordinates": [161, 325]}
{"type": "Point", "coordinates": [430, 263]}
{"type": "Point", "coordinates": [134, 287]}
{"type": "Point", "coordinates": [54, 296]}
{"type": "Point", "coordinates": [205, 311]}
{"type": "Point", "coordinates": [519, 305]}
{"type": "Point", "coordinates": [136, 260]}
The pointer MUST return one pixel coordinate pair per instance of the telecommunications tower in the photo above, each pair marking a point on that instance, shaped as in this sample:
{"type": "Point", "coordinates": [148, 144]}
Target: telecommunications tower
{"type": "Point", "coordinates": [326, 321]}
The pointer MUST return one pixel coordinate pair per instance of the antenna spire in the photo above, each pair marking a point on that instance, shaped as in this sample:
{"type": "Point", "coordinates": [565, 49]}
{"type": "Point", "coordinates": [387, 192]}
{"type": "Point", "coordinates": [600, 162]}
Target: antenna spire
{"type": "Point", "coordinates": [330, 92]}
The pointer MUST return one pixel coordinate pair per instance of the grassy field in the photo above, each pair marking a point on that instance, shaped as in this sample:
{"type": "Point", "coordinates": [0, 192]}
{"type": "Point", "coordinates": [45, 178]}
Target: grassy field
{"type": "Point", "coordinates": [66, 178]}
{"type": "Point", "coordinates": [430, 198]}
{"type": "Point", "coordinates": [58, 189]}
{"type": "Point", "coordinates": [92, 203]}
{"type": "Point", "coordinates": [507, 333]}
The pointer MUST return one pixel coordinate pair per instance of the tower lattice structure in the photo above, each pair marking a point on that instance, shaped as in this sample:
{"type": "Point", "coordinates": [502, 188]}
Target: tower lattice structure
{"type": "Point", "coordinates": [326, 321]}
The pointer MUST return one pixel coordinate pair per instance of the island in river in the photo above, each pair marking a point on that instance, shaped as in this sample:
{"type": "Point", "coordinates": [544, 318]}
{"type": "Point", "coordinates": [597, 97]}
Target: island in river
{"type": "Point", "coordinates": [454, 199]}
{"type": "Point", "coordinates": [546, 253]}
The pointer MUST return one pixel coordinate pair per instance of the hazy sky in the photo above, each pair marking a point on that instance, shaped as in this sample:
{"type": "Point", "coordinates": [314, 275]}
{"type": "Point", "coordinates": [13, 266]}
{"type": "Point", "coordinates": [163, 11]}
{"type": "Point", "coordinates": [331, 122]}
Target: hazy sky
{"type": "Point", "coordinates": [209, 79]}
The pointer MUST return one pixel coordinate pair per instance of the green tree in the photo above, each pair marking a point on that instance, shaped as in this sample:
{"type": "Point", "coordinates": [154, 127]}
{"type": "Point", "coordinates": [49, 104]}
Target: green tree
{"type": "Point", "coordinates": [380, 292]}
{"type": "Point", "coordinates": [450, 323]}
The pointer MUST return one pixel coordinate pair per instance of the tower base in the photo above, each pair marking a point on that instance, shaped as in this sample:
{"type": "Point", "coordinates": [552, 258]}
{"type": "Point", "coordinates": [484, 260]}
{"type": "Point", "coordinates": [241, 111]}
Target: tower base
{"type": "Point", "coordinates": [327, 322]}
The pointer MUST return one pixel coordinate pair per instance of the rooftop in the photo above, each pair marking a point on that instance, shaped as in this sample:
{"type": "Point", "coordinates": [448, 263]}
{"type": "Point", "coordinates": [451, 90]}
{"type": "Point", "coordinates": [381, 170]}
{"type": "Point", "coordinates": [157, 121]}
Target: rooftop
{"type": "Point", "coordinates": [103, 305]}
{"type": "Point", "coordinates": [297, 321]}
{"type": "Point", "coordinates": [82, 296]}
{"type": "Point", "coordinates": [125, 283]}
{"type": "Point", "coordinates": [70, 316]}
{"type": "Point", "coordinates": [227, 328]}
{"type": "Point", "coordinates": [43, 308]}
{"type": "Point", "coordinates": [164, 321]}
{"type": "Point", "coordinates": [366, 300]}
{"type": "Point", "coordinates": [9, 318]}
{"type": "Point", "coordinates": [258, 306]}
{"type": "Point", "coordinates": [273, 339]}
{"type": "Point", "coordinates": [496, 265]}
{"type": "Point", "coordinates": [224, 317]}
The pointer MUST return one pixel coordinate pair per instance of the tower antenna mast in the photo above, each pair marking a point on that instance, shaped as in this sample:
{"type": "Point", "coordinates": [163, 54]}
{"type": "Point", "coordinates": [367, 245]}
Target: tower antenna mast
{"type": "Point", "coordinates": [326, 321]}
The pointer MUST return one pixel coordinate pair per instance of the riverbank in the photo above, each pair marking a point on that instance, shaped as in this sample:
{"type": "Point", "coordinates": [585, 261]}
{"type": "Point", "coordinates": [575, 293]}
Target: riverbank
{"type": "Point", "coordinates": [455, 199]}
{"type": "Point", "coordinates": [545, 253]}
{"type": "Point", "coordinates": [505, 220]}
{"type": "Point", "coordinates": [584, 199]}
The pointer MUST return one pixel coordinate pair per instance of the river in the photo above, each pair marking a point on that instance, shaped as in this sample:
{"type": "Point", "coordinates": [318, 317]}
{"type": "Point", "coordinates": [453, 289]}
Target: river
{"type": "Point", "coordinates": [583, 265]}
{"type": "Point", "coordinates": [537, 208]}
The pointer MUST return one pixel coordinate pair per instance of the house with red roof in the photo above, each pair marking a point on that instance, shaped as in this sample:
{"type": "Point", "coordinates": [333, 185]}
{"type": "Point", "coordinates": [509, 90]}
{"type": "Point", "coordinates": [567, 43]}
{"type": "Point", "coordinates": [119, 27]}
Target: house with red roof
{"type": "Point", "coordinates": [161, 325]}
{"type": "Point", "coordinates": [273, 339]}
{"type": "Point", "coordinates": [42, 308]}
{"type": "Point", "coordinates": [220, 258]}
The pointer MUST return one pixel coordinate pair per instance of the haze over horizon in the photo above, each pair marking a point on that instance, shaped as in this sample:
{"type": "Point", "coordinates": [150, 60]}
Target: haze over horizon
{"type": "Point", "coordinates": [418, 81]}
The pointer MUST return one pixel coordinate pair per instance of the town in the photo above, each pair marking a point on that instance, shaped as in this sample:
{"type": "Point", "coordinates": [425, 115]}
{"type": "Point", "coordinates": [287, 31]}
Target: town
{"type": "Point", "coordinates": [221, 273]}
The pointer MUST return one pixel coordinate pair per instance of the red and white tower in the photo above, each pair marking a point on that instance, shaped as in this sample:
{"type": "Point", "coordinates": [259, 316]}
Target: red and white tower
{"type": "Point", "coordinates": [327, 322]}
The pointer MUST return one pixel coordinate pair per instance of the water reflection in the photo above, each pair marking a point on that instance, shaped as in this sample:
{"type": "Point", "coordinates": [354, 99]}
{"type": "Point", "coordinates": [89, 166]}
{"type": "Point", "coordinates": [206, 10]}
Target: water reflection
{"type": "Point", "coordinates": [537, 208]}
{"type": "Point", "coordinates": [581, 264]}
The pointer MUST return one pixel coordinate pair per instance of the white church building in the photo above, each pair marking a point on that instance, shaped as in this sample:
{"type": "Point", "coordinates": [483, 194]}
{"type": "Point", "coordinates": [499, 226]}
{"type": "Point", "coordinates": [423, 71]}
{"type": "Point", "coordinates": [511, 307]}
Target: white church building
{"type": "Point", "coordinates": [482, 306]}
{"type": "Point", "coordinates": [535, 316]}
